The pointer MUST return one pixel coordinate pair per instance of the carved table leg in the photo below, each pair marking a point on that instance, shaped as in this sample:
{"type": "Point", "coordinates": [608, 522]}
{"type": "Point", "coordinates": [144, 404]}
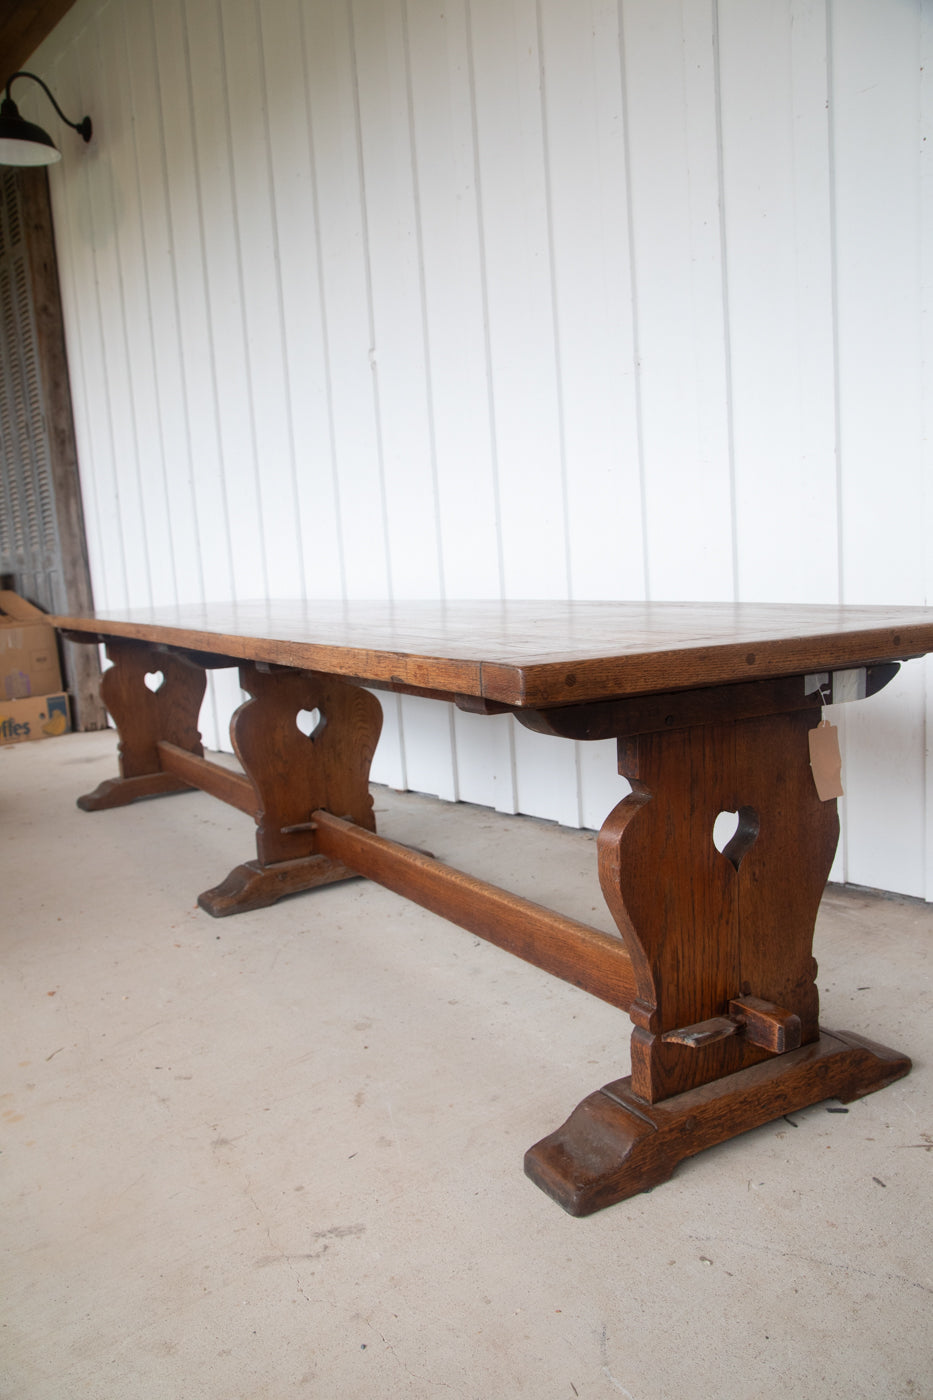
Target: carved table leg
{"type": "Point", "coordinates": [294, 774]}
{"type": "Point", "coordinates": [145, 715]}
{"type": "Point", "coordinates": [726, 1033]}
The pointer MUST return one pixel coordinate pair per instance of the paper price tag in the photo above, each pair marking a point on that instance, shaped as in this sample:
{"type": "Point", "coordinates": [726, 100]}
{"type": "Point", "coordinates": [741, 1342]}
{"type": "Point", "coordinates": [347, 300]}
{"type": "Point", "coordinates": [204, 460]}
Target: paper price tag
{"type": "Point", "coordinates": [826, 761]}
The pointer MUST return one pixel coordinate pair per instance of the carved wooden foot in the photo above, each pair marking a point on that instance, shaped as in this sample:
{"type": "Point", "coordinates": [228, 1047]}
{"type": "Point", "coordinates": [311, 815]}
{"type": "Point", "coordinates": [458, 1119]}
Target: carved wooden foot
{"type": "Point", "coordinates": [255, 886]}
{"type": "Point", "coordinates": [616, 1144]}
{"type": "Point", "coordinates": [117, 792]}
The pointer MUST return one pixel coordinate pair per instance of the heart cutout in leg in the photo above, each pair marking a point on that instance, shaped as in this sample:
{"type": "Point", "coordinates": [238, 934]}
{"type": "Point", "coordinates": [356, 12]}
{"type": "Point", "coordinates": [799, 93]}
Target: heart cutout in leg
{"type": "Point", "coordinates": [734, 834]}
{"type": "Point", "coordinates": [310, 722]}
{"type": "Point", "coordinates": [154, 681]}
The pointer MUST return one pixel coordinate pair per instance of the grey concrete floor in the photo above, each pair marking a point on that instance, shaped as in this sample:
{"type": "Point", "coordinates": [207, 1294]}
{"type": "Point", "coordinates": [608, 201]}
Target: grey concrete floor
{"type": "Point", "coordinates": [280, 1155]}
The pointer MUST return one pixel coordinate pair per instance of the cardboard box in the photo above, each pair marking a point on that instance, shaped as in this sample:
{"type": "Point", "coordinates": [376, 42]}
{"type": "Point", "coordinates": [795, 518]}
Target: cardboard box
{"type": "Point", "coordinates": [28, 651]}
{"type": "Point", "coordinates": [39, 717]}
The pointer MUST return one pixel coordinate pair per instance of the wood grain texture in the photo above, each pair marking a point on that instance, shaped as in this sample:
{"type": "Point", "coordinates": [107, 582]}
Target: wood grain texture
{"type": "Point", "coordinates": [708, 925]}
{"type": "Point", "coordinates": [293, 772]}
{"type": "Point", "coordinates": [584, 956]}
{"type": "Point", "coordinates": [614, 1145]}
{"type": "Point", "coordinates": [23, 26]}
{"type": "Point", "coordinates": [82, 667]}
{"type": "Point", "coordinates": [223, 783]}
{"type": "Point", "coordinates": [253, 885]}
{"type": "Point", "coordinates": [715, 961]}
{"type": "Point", "coordinates": [165, 709]}
{"type": "Point", "coordinates": [535, 653]}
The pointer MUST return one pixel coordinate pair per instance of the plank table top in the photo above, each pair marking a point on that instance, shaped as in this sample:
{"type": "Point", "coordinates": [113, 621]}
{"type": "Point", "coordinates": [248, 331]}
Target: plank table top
{"type": "Point", "coordinates": [528, 653]}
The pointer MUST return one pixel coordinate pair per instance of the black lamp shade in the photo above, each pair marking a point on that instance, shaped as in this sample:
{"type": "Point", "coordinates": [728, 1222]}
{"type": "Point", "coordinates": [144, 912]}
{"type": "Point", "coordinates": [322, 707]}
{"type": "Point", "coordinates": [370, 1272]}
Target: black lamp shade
{"type": "Point", "coordinates": [22, 142]}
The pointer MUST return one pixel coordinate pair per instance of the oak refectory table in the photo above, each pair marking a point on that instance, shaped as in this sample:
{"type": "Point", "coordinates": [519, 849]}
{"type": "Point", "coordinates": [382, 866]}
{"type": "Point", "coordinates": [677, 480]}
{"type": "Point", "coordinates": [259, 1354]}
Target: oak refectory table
{"type": "Point", "coordinates": [715, 708]}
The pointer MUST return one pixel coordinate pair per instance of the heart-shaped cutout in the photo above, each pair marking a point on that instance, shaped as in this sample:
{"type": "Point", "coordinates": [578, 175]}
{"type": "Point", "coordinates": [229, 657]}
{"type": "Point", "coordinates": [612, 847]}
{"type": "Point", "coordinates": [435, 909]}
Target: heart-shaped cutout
{"type": "Point", "coordinates": [154, 681]}
{"type": "Point", "coordinates": [310, 722]}
{"type": "Point", "coordinates": [735, 833]}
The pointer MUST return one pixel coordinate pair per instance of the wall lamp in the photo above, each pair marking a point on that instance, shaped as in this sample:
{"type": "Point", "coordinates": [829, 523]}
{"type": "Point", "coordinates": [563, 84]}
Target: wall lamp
{"type": "Point", "coordinates": [24, 143]}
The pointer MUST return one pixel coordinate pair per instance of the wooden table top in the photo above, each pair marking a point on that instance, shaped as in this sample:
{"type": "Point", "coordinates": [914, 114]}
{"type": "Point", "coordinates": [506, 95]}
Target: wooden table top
{"type": "Point", "coordinates": [533, 653]}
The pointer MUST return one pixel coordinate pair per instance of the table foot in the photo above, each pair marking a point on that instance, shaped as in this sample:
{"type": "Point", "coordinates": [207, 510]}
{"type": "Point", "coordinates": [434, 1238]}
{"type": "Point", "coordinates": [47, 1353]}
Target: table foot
{"type": "Point", "coordinates": [255, 886]}
{"type": "Point", "coordinates": [615, 1144]}
{"type": "Point", "coordinates": [117, 792]}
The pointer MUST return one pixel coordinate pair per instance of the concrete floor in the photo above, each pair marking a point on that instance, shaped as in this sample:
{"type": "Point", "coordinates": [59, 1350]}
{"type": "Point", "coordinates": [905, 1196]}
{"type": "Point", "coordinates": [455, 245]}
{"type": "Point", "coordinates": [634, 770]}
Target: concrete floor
{"type": "Point", "coordinates": [280, 1155]}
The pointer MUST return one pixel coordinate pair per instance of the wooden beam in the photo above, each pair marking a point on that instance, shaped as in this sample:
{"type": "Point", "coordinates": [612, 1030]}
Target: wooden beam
{"type": "Point", "coordinates": [595, 961]}
{"type": "Point", "coordinates": [23, 26]}
{"type": "Point", "coordinates": [224, 783]}
{"type": "Point", "coordinates": [82, 665]}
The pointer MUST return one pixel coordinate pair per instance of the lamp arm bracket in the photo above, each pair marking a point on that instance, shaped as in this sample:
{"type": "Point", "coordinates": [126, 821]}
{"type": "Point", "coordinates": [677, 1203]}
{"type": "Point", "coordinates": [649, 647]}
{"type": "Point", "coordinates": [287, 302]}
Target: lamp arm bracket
{"type": "Point", "coordinates": [83, 127]}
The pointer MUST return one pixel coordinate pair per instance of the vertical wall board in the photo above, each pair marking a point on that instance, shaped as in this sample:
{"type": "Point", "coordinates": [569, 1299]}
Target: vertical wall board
{"type": "Point", "coordinates": [522, 334]}
{"type": "Point", "coordinates": [305, 370]}
{"type": "Point", "coordinates": [585, 146]}
{"type": "Point", "coordinates": [442, 118]}
{"type": "Point", "coordinates": [141, 446]}
{"type": "Point", "coordinates": [105, 218]}
{"type": "Point", "coordinates": [116, 479]}
{"type": "Point", "coordinates": [343, 251]}
{"type": "Point", "coordinates": [546, 783]}
{"type": "Point", "coordinates": [222, 697]}
{"type": "Point", "coordinates": [669, 76]}
{"type": "Point", "coordinates": [836, 714]}
{"type": "Point", "coordinates": [478, 741]}
{"type": "Point", "coordinates": [163, 442]}
{"type": "Point", "coordinates": [70, 260]}
{"type": "Point", "coordinates": [602, 787]}
{"type": "Point", "coordinates": [881, 758]}
{"type": "Point", "coordinates": [926, 359]}
{"type": "Point", "coordinates": [430, 761]}
{"type": "Point", "coordinates": [875, 107]}
{"type": "Point", "coordinates": [223, 276]}
{"type": "Point", "coordinates": [184, 195]}
{"type": "Point", "coordinates": [389, 764]}
{"type": "Point", "coordinates": [397, 353]}
{"type": "Point", "coordinates": [259, 290]}
{"type": "Point", "coordinates": [516, 251]}
{"type": "Point", "coordinates": [100, 488]}
{"type": "Point", "coordinates": [875, 101]}
{"type": "Point", "coordinates": [927, 665]}
{"type": "Point", "coordinates": [778, 258]}
{"type": "Point", "coordinates": [485, 748]}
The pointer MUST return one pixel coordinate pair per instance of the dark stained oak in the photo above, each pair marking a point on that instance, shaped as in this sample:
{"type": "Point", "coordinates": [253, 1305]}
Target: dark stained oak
{"type": "Point", "coordinates": [711, 706]}
{"type": "Point", "coordinates": [709, 926]}
{"type": "Point", "coordinates": [535, 653]}
{"type": "Point", "coordinates": [614, 1145]}
{"type": "Point", "coordinates": [572, 951]}
{"type": "Point", "coordinates": [166, 708]}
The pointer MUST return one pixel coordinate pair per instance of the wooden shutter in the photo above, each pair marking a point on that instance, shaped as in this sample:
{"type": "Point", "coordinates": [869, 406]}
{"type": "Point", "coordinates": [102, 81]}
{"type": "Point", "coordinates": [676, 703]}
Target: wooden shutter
{"type": "Point", "coordinates": [43, 554]}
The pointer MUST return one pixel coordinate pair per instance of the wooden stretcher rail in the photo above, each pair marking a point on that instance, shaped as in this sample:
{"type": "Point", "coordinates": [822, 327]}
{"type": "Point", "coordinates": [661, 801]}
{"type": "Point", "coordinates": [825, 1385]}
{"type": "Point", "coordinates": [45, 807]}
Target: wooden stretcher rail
{"type": "Point", "coordinates": [594, 961]}
{"type": "Point", "coordinates": [224, 783]}
{"type": "Point", "coordinates": [584, 956]}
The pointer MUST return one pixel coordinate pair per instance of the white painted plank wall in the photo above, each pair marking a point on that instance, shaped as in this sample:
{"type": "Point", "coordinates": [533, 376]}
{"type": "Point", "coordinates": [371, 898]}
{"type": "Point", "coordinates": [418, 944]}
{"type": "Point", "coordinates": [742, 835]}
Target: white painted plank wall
{"type": "Point", "coordinates": [511, 298]}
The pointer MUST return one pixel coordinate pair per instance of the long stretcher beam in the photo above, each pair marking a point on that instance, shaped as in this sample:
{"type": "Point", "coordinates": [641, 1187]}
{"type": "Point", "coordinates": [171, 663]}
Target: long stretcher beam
{"type": "Point", "coordinates": [594, 961]}
{"type": "Point", "coordinates": [584, 956]}
{"type": "Point", "coordinates": [224, 783]}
